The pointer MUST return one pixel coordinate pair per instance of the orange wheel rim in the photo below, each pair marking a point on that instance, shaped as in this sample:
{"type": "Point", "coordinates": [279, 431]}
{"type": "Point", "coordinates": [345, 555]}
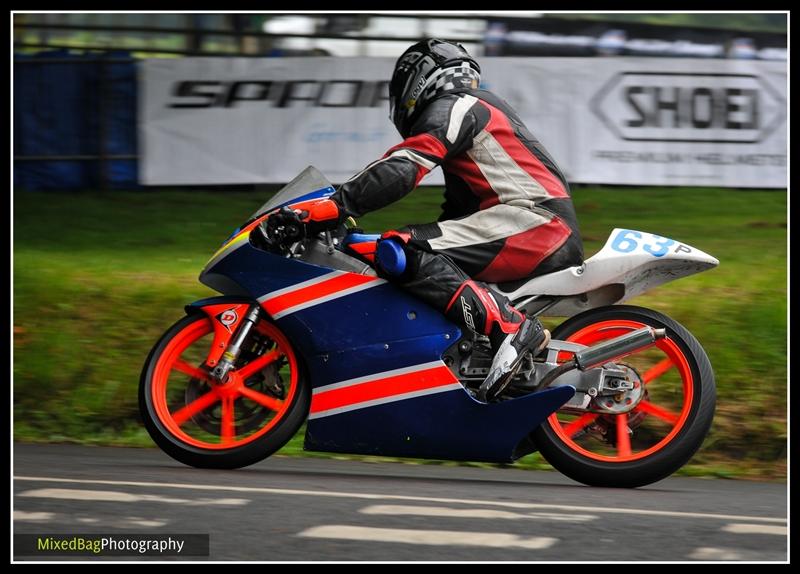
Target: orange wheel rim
{"type": "Point", "coordinates": [180, 366]}
{"type": "Point", "coordinates": [667, 418]}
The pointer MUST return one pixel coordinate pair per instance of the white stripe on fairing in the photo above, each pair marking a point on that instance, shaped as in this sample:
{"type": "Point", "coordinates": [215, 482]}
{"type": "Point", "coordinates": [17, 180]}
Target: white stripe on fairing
{"type": "Point", "coordinates": [497, 222]}
{"type": "Point", "coordinates": [460, 109]}
{"type": "Point", "coordinates": [405, 497]}
{"type": "Point", "coordinates": [384, 400]}
{"type": "Point", "coordinates": [755, 529]}
{"type": "Point", "coordinates": [378, 376]}
{"type": "Point", "coordinates": [487, 513]}
{"type": "Point", "coordinates": [504, 175]}
{"type": "Point", "coordinates": [428, 537]}
{"type": "Point", "coordinates": [416, 158]}
{"type": "Point", "coordinates": [297, 286]}
{"type": "Point", "coordinates": [331, 297]}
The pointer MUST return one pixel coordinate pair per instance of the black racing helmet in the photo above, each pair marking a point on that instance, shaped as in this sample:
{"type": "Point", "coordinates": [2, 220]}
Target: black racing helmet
{"type": "Point", "coordinates": [425, 71]}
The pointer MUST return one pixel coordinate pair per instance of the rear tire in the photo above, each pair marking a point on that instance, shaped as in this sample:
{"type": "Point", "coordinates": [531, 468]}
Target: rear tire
{"type": "Point", "coordinates": [666, 430]}
{"type": "Point", "coordinates": [197, 423]}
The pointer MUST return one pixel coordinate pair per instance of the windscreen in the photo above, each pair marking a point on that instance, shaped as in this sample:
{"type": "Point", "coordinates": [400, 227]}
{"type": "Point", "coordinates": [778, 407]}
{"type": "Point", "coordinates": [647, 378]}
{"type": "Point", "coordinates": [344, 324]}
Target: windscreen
{"type": "Point", "coordinates": [310, 182]}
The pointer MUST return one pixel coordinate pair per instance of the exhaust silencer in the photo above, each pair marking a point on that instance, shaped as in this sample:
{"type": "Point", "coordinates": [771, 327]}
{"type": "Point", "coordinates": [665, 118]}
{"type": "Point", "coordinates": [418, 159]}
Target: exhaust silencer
{"type": "Point", "coordinates": [604, 352]}
{"type": "Point", "coordinates": [618, 347]}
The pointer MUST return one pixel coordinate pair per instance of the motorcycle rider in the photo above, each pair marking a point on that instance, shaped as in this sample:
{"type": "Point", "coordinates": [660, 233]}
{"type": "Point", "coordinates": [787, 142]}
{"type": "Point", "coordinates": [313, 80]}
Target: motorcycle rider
{"type": "Point", "coordinates": [507, 213]}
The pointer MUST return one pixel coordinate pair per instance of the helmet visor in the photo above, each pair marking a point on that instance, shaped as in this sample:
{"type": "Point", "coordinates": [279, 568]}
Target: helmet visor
{"type": "Point", "coordinates": [398, 89]}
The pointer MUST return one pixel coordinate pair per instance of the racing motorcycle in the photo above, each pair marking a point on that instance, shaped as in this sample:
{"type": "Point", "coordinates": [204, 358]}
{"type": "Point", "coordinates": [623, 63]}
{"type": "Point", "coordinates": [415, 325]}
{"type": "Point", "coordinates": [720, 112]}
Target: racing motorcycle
{"type": "Point", "coordinates": [306, 330]}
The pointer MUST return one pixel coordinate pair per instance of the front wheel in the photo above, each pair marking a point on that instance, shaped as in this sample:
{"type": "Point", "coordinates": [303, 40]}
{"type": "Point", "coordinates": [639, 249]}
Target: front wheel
{"type": "Point", "coordinates": [202, 423]}
{"type": "Point", "coordinates": [667, 425]}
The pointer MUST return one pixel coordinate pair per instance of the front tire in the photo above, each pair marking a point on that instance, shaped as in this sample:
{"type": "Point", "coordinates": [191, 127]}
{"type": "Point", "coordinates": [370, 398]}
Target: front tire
{"type": "Point", "coordinates": [661, 433]}
{"type": "Point", "coordinates": [201, 423]}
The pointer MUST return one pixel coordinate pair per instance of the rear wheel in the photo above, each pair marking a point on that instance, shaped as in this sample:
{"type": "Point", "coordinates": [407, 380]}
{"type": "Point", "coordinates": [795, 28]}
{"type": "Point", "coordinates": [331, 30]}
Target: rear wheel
{"type": "Point", "coordinates": [203, 423]}
{"type": "Point", "coordinates": [666, 427]}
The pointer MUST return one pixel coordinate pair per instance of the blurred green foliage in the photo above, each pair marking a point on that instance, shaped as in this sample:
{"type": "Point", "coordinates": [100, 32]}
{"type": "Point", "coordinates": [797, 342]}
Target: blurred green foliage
{"type": "Point", "coordinates": [98, 277]}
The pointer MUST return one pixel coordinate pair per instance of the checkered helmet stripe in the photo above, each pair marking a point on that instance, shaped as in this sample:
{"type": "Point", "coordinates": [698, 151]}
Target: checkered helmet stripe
{"type": "Point", "coordinates": [425, 71]}
{"type": "Point", "coordinates": [448, 79]}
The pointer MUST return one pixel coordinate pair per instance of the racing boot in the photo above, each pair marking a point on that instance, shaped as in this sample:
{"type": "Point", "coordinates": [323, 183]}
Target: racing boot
{"type": "Point", "coordinates": [511, 334]}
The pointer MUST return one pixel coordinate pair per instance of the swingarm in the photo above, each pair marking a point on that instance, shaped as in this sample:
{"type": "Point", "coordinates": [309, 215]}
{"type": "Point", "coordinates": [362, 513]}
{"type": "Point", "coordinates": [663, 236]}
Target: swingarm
{"type": "Point", "coordinates": [601, 386]}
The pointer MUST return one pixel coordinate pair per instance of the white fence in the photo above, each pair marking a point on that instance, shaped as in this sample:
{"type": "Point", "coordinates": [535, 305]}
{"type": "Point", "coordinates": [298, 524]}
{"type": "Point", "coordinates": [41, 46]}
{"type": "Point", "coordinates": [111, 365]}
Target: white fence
{"type": "Point", "coordinates": [639, 121]}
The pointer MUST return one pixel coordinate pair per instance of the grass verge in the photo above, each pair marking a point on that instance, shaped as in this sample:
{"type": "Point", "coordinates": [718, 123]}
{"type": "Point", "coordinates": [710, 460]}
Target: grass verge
{"type": "Point", "coordinates": [99, 277]}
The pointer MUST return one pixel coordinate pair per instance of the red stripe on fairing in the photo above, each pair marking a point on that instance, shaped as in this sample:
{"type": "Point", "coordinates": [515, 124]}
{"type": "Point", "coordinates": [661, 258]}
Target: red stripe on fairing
{"type": "Point", "coordinates": [522, 253]}
{"type": "Point", "coordinates": [321, 289]}
{"type": "Point", "coordinates": [425, 143]}
{"type": "Point", "coordinates": [382, 388]}
{"type": "Point", "coordinates": [468, 170]}
{"type": "Point", "coordinates": [502, 130]}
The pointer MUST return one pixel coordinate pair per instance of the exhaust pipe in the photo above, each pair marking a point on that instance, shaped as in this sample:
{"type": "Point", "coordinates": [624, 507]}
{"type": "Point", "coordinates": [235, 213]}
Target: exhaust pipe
{"type": "Point", "coordinates": [617, 348]}
{"type": "Point", "coordinates": [606, 351]}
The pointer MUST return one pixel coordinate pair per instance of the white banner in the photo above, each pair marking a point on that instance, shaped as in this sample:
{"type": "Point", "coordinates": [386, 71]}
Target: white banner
{"type": "Point", "coordinates": [636, 121]}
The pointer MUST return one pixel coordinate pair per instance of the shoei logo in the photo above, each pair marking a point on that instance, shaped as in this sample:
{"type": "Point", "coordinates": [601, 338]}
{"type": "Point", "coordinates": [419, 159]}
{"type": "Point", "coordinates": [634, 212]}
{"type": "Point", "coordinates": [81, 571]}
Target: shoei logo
{"type": "Point", "coordinates": [688, 107]}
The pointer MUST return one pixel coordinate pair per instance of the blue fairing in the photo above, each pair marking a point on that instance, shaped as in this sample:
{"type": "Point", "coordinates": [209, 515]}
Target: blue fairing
{"type": "Point", "coordinates": [450, 425]}
{"type": "Point", "coordinates": [375, 330]}
{"type": "Point", "coordinates": [365, 321]}
{"type": "Point", "coordinates": [369, 332]}
{"type": "Point", "coordinates": [256, 272]}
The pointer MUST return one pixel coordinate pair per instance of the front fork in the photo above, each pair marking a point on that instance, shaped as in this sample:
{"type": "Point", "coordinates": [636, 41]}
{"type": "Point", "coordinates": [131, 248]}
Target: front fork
{"type": "Point", "coordinates": [232, 320]}
{"type": "Point", "coordinates": [234, 348]}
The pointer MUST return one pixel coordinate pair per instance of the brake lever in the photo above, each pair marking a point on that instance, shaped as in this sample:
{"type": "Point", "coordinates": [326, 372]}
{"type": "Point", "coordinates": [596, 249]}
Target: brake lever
{"type": "Point", "coordinates": [329, 244]}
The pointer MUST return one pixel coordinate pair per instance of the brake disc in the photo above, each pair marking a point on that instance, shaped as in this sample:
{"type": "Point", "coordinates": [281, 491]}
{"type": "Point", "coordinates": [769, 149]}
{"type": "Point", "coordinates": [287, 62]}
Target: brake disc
{"type": "Point", "coordinates": [248, 415]}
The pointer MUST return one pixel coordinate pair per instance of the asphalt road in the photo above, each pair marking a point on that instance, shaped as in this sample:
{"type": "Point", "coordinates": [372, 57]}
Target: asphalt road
{"type": "Point", "coordinates": [304, 509]}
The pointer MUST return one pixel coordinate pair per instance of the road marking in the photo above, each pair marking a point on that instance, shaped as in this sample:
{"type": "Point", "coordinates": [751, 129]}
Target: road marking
{"type": "Point", "coordinates": [709, 553]}
{"type": "Point", "coordinates": [371, 496]}
{"type": "Point", "coordinates": [137, 521]}
{"type": "Point", "coordinates": [124, 522]}
{"type": "Point", "coordinates": [755, 529]}
{"type": "Point", "coordinates": [428, 537]}
{"type": "Point", "coordinates": [115, 496]}
{"type": "Point", "coordinates": [441, 511]}
{"type": "Point", "coordinates": [33, 516]}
